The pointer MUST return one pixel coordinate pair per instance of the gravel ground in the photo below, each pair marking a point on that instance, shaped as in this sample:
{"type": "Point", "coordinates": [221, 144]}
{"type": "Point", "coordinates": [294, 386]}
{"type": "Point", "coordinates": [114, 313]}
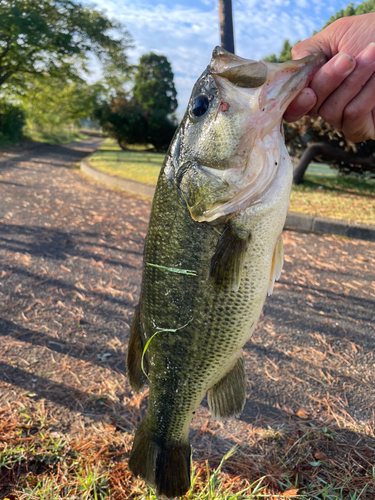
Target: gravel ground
{"type": "Point", "coordinates": [70, 270]}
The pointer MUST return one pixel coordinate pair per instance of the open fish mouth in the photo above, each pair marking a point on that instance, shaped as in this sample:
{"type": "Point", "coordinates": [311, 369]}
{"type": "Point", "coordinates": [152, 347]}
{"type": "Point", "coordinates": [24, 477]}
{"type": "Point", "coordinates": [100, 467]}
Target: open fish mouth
{"type": "Point", "coordinates": [258, 93]}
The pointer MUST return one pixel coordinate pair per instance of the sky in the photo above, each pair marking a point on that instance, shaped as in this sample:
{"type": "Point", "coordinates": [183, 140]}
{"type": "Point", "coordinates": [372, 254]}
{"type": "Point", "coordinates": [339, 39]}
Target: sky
{"type": "Point", "coordinates": [187, 31]}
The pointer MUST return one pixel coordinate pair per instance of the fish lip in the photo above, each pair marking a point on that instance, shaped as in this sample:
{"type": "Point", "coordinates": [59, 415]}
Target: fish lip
{"type": "Point", "coordinates": [248, 73]}
{"type": "Point", "coordinates": [297, 74]}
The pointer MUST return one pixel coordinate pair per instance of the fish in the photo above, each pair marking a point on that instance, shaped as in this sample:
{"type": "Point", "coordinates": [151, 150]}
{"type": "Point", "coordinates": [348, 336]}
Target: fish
{"type": "Point", "coordinates": [212, 253]}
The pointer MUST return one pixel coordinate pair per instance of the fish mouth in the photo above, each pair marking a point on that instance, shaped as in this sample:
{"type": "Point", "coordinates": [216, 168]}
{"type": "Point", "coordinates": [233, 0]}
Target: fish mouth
{"type": "Point", "coordinates": [286, 80]}
{"type": "Point", "coordinates": [280, 82]}
{"type": "Point", "coordinates": [266, 88]}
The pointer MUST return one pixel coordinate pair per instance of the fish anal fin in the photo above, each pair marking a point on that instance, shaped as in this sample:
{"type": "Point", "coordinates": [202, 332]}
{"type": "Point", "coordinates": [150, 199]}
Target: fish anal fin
{"type": "Point", "coordinates": [228, 396]}
{"type": "Point", "coordinates": [277, 264]}
{"type": "Point", "coordinates": [136, 376]}
{"type": "Point", "coordinates": [164, 466]}
{"type": "Point", "coordinates": [228, 259]}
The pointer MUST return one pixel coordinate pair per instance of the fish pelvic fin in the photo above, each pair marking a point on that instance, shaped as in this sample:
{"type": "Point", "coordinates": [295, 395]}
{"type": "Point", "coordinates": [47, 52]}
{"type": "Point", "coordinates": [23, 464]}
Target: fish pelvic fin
{"type": "Point", "coordinates": [228, 396]}
{"type": "Point", "coordinates": [229, 257]}
{"type": "Point", "coordinates": [137, 377]}
{"type": "Point", "coordinates": [163, 466]}
{"type": "Point", "coordinates": [277, 264]}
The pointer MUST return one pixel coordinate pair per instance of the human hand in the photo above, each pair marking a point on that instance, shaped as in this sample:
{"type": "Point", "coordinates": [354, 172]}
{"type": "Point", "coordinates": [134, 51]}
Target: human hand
{"type": "Point", "coordinates": [343, 91]}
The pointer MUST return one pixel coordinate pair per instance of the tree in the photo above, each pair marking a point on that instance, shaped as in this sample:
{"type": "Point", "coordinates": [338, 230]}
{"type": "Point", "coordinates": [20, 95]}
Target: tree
{"type": "Point", "coordinates": [154, 87]}
{"type": "Point", "coordinates": [55, 37]}
{"type": "Point", "coordinates": [12, 120]}
{"type": "Point", "coordinates": [123, 119]}
{"type": "Point", "coordinates": [53, 107]}
{"type": "Point", "coordinates": [146, 116]}
{"type": "Point", "coordinates": [285, 54]}
{"type": "Point", "coordinates": [226, 25]}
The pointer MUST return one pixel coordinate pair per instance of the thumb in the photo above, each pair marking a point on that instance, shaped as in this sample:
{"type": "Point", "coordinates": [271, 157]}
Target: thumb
{"type": "Point", "coordinates": [313, 45]}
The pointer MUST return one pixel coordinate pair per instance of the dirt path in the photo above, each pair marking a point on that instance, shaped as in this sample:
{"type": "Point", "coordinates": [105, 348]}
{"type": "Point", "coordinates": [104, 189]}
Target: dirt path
{"type": "Point", "coordinates": [70, 264]}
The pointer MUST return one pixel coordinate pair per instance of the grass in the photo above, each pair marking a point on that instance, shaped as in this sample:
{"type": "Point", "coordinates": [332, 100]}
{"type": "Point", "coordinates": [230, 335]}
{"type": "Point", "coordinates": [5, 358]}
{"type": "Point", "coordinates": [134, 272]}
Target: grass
{"type": "Point", "coordinates": [298, 459]}
{"type": "Point", "coordinates": [55, 136]}
{"type": "Point", "coordinates": [322, 193]}
{"type": "Point", "coordinates": [136, 165]}
{"type": "Point", "coordinates": [348, 199]}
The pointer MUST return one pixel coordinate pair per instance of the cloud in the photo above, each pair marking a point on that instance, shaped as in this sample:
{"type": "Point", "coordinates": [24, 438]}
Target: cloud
{"type": "Point", "coordinates": [186, 34]}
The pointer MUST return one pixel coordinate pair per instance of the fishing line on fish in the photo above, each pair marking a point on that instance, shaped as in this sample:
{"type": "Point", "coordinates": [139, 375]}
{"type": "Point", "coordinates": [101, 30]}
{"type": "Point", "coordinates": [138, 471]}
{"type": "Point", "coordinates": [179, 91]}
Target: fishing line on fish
{"type": "Point", "coordinates": [187, 272]}
{"type": "Point", "coordinates": [160, 330]}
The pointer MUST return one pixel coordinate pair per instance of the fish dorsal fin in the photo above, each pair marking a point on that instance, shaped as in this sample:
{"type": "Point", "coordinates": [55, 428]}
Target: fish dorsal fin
{"type": "Point", "coordinates": [277, 264]}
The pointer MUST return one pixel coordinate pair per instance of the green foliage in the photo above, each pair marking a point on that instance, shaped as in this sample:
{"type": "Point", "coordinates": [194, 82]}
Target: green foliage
{"type": "Point", "coordinates": [124, 120]}
{"type": "Point", "coordinates": [12, 120]}
{"type": "Point", "coordinates": [145, 117]}
{"type": "Point", "coordinates": [154, 87]}
{"type": "Point", "coordinates": [285, 54]}
{"type": "Point", "coordinates": [351, 10]}
{"type": "Point", "coordinates": [54, 107]}
{"type": "Point", "coordinates": [55, 37]}
{"type": "Point", "coordinates": [161, 130]}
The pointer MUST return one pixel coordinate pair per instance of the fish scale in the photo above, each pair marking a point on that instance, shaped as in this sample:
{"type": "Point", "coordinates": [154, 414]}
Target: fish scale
{"type": "Point", "coordinates": [219, 213]}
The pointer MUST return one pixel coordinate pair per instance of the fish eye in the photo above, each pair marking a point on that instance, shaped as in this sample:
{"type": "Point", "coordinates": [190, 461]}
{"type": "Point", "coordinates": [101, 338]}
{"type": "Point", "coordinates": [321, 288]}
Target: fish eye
{"type": "Point", "coordinates": [200, 105]}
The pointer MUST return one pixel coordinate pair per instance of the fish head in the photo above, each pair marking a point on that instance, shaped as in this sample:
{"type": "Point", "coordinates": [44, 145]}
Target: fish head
{"type": "Point", "coordinates": [231, 135]}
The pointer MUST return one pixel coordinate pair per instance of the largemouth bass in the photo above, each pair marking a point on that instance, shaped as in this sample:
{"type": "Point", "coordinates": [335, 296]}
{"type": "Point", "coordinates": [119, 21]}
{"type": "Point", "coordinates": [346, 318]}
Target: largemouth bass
{"type": "Point", "coordinates": [212, 252]}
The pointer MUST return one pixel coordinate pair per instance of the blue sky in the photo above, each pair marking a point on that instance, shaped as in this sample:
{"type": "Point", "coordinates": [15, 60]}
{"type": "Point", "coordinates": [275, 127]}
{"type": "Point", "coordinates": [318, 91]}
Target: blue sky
{"type": "Point", "coordinates": [187, 31]}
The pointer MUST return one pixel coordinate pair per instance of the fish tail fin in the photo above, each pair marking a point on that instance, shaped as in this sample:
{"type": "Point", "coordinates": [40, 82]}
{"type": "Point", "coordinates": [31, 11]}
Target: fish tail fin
{"type": "Point", "coordinates": [163, 466]}
{"type": "Point", "coordinates": [137, 377]}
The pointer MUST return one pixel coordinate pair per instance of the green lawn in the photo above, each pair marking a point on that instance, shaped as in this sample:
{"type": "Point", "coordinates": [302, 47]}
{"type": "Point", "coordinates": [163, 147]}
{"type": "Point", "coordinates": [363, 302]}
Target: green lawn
{"type": "Point", "coordinates": [138, 165]}
{"type": "Point", "coordinates": [323, 193]}
{"type": "Point", "coordinates": [347, 199]}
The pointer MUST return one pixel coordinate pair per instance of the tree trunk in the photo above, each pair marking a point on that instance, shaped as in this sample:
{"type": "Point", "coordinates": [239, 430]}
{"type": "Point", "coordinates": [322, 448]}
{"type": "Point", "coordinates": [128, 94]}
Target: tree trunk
{"type": "Point", "coordinates": [226, 25]}
{"type": "Point", "coordinates": [330, 154]}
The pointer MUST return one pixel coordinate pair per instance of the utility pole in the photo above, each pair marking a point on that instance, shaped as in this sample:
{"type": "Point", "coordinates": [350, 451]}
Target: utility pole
{"type": "Point", "coordinates": [226, 25]}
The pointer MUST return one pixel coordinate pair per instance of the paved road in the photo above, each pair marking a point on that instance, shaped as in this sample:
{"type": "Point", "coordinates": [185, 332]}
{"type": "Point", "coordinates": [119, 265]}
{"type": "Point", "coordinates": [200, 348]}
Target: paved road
{"type": "Point", "coordinates": [70, 263]}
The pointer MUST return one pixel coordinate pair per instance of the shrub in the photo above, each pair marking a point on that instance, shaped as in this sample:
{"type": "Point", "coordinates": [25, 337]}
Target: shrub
{"type": "Point", "coordinates": [12, 121]}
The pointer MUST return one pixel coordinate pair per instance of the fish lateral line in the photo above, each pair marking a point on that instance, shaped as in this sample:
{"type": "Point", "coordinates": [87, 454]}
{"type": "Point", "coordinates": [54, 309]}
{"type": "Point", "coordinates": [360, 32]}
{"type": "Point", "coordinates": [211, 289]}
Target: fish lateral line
{"type": "Point", "coordinates": [187, 272]}
{"type": "Point", "coordinates": [160, 330]}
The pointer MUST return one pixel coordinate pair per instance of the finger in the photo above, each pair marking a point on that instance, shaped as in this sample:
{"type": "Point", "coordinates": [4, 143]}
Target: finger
{"type": "Point", "coordinates": [330, 77]}
{"type": "Point", "coordinates": [301, 105]}
{"type": "Point", "coordinates": [333, 108]}
{"type": "Point", "coordinates": [358, 121]}
{"type": "Point", "coordinates": [313, 45]}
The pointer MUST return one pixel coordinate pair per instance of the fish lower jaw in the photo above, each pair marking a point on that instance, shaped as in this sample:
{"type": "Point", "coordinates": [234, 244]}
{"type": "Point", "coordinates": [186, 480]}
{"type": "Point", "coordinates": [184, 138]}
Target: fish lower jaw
{"type": "Point", "coordinates": [271, 208]}
{"type": "Point", "coordinates": [251, 187]}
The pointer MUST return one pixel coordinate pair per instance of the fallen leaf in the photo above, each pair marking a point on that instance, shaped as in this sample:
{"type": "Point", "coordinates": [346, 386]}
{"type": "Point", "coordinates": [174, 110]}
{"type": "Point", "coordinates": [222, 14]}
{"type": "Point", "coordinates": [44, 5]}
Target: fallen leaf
{"type": "Point", "coordinates": [292, 492]}
{"type": "Point", "coordinates": [319, 455]}
{"type": "Point", "coordinates": [302, 414]}
{"type": "Point", "coordinates": [288, 410]}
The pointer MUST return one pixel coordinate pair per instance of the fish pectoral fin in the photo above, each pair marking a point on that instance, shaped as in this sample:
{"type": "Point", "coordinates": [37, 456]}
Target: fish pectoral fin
{"type": "Point", "coordinates": [228, 259]}
{"type": "Point", "coordinates": [277, 264]}
{"type": "Point", "coordinates": [164, 466]}
{"type": "Point", "coordinates": [137, 377]}
{"type": "Point", "coordinates": [228, 396]}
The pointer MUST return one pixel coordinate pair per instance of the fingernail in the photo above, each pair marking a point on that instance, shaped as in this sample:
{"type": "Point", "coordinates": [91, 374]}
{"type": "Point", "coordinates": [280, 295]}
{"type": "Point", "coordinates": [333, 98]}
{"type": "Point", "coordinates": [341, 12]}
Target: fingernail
{"type": "Point", "coordinates": [343, 63]}
{"type": "Point", "coordinates": [302, 105]}
{"type": "Point", "coordinates": [305, 99]}
{"type": "Point", "coordinates": [368, 55]}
